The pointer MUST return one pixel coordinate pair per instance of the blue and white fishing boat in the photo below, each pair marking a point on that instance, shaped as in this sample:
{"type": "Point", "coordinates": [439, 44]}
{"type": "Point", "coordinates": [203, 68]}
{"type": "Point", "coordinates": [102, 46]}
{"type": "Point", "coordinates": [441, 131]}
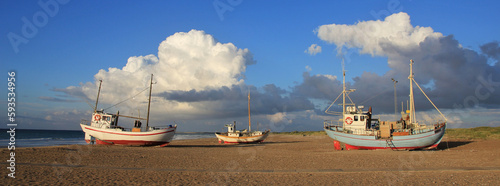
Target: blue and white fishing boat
{"type": "Point", "coordinates": [357, 129]}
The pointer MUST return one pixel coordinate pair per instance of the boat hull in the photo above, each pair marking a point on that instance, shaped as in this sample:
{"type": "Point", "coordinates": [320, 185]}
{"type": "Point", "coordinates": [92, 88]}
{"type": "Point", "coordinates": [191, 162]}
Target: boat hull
{"type": "Point", "coordinates": [243, 139]}
{"type": "Point", "coordinates": [425, 140]}
{"type": "Point", "coordinates": [102, 136]}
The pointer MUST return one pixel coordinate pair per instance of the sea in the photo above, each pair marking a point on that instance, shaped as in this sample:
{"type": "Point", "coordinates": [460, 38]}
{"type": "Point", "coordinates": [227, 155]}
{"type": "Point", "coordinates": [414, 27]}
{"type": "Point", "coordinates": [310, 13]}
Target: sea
{"type": "Point", "coordinates": [41, 138]}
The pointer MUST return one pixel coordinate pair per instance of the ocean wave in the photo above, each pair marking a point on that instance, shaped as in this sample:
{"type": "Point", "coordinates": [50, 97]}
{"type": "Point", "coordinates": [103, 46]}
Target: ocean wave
{"type": "Point", "coordinates": [54, 138]}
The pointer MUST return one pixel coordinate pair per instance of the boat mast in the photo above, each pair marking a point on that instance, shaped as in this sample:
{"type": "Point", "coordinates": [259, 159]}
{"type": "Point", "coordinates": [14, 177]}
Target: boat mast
{"type": "Point", "coordinates": [412, 101]}
{"type": "Point", "coordinates": [395, 100]}
{"type": "Point", "coordinates": [149, 101]}
{"type": "Point", "coordinates": [249, 121]}
{"type": "Point", "coordinates": [343, 91]}
{"type": "Point", "coordinates": [98, 92]}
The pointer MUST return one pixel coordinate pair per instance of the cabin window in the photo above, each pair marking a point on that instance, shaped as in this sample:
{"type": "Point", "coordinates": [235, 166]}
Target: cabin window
{"type": "Point", "coordinates": [355, 118]}
{"type": "Point", "coordinates": [106, 118]}
{"type": "Point", "coordinates": [361, 118]}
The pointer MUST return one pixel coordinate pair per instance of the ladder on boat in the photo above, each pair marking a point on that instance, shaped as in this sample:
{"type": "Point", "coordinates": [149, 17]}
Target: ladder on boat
{"type": "Point", "coordinates": [390, 144]}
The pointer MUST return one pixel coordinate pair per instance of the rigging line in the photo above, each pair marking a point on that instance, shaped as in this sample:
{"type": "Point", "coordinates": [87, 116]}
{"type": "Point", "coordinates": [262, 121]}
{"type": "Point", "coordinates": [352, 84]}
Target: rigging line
{"type": "Point", "coordinates": [429, 100]}
{"type": "Point", "coordinates": [335, 112]}
{"type": "Point", "coordinates": [89, 104]}
{"type": "Point", "coordinates": [352, 102]}
{"type": "Point", "coordinates": [380, 93]}
{"type": "Point", "coordinates": [127, 99]}
{"type": "Point", "coordinates": [332, 112]}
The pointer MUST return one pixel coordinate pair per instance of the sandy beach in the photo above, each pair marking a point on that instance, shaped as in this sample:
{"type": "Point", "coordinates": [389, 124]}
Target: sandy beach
{"type": "Point", "coordinates": [281, 160]}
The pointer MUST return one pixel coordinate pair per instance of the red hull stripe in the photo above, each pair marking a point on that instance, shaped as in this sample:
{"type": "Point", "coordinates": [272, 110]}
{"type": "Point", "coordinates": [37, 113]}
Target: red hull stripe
{"type": "Point", "coordinates": [128, 134]}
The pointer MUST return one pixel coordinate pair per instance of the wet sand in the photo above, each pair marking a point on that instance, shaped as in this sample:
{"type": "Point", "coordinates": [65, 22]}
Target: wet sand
{"type": "Point", "coordinates": [281, 160]}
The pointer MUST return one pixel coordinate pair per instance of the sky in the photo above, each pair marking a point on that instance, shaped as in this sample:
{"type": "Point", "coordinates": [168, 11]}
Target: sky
{"type": "Point", "coordinates": [206, 56]}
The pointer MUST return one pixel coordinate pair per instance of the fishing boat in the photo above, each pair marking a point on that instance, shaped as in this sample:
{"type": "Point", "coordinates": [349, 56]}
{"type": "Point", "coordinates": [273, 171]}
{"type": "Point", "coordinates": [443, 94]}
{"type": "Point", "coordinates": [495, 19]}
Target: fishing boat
{"type": "Point", "coordinates": [357, 129]}
{"type": "Point", "coordinates": [104, 129]}
{"type": "Point", "coordinates": [245, 136]}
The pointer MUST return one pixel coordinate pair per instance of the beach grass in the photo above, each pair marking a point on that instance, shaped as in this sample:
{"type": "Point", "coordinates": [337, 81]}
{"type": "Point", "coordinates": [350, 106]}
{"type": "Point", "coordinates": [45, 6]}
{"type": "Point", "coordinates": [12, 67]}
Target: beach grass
{"type": "Point", "coordinates": [474, 133]}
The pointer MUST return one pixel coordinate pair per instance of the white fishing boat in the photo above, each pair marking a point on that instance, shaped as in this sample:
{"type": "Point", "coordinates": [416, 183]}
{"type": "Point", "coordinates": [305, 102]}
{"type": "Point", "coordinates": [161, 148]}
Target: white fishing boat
{"type": "Point", "coordinates": [357, 129]}
{"type": "Point", "coordinates": [245, 136]}
{"type": "Point", "coordinates": [104, 129]}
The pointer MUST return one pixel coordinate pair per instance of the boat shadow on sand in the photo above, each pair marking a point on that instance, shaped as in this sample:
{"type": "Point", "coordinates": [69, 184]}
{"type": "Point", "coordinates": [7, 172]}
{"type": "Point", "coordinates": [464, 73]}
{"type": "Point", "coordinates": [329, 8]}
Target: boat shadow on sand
{"type": "Point", "coordinates": [452, 144]}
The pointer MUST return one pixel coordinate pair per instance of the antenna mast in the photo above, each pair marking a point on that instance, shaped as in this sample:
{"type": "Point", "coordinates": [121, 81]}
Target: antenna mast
{"type": "Point", "coordinates": [343, 89]}
{"type": "Point", "coordinates": [149, 101]}
{"type": "Point", "coordinates": [412, 101]}
{"type": "Point", "coordinates": [395, 100]}
{"type": "Point", "coordinates": [98, 92]}
{"type": "Point", "coordinates": [249, 121]}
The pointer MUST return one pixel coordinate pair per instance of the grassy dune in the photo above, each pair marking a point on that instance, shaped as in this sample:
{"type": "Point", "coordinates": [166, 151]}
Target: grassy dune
{"type": "Point", "coordinates": [474, 133]}
{"type": "Point", "coordinates": [466, 133]}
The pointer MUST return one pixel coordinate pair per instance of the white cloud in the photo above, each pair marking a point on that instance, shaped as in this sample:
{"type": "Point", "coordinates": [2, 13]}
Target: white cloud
{"type": "Point", "coordinates": [279, 117]}
{"type": "Point", "coordinates": [308, 68]}
{"type": "Point", "coordinates": [371, 36]}
{"type": "Point", "coordinates": [330, 77]}
{"type": "Point", "coordinates": [186, 61]}
{"type": "Point", "coordinates": [313, 49]}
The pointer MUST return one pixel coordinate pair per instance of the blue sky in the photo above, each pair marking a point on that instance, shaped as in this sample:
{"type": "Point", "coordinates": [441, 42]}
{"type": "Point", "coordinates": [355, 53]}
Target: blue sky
{"type": "Point", "coordinates": [80, 38]}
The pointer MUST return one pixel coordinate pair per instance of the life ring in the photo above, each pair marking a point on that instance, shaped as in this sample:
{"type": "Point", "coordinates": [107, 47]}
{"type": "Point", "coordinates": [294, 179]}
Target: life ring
{"type": "Point", "coordinates": [348, 120]}
{"type": "Point", "coordinates": [97, 117]}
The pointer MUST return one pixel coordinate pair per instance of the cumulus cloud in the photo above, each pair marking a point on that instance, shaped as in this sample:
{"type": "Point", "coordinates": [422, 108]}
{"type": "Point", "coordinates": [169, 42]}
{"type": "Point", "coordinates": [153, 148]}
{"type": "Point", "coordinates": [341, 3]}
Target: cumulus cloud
{"type": "Point", "coordinates": [186, 61]}
{"type": "Point", "coordinates": [195, 76]}
{"type": "Point", "coordinates": [318, 86]}
{"type": "Point", "coordinates": [460, 75]}
{"type": "Point", "coordinates": [308, 68]}
{"type": "Point", "coordinates": [373, 36]}
{"type": "Point", "coordinates": [279, 117]}
{"type": "Point", "coordinates": [313, 49]}
{"type": "Point", "coordinates": [232, 101]}
{"type": "Point", "coordinates": [492, 50]}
